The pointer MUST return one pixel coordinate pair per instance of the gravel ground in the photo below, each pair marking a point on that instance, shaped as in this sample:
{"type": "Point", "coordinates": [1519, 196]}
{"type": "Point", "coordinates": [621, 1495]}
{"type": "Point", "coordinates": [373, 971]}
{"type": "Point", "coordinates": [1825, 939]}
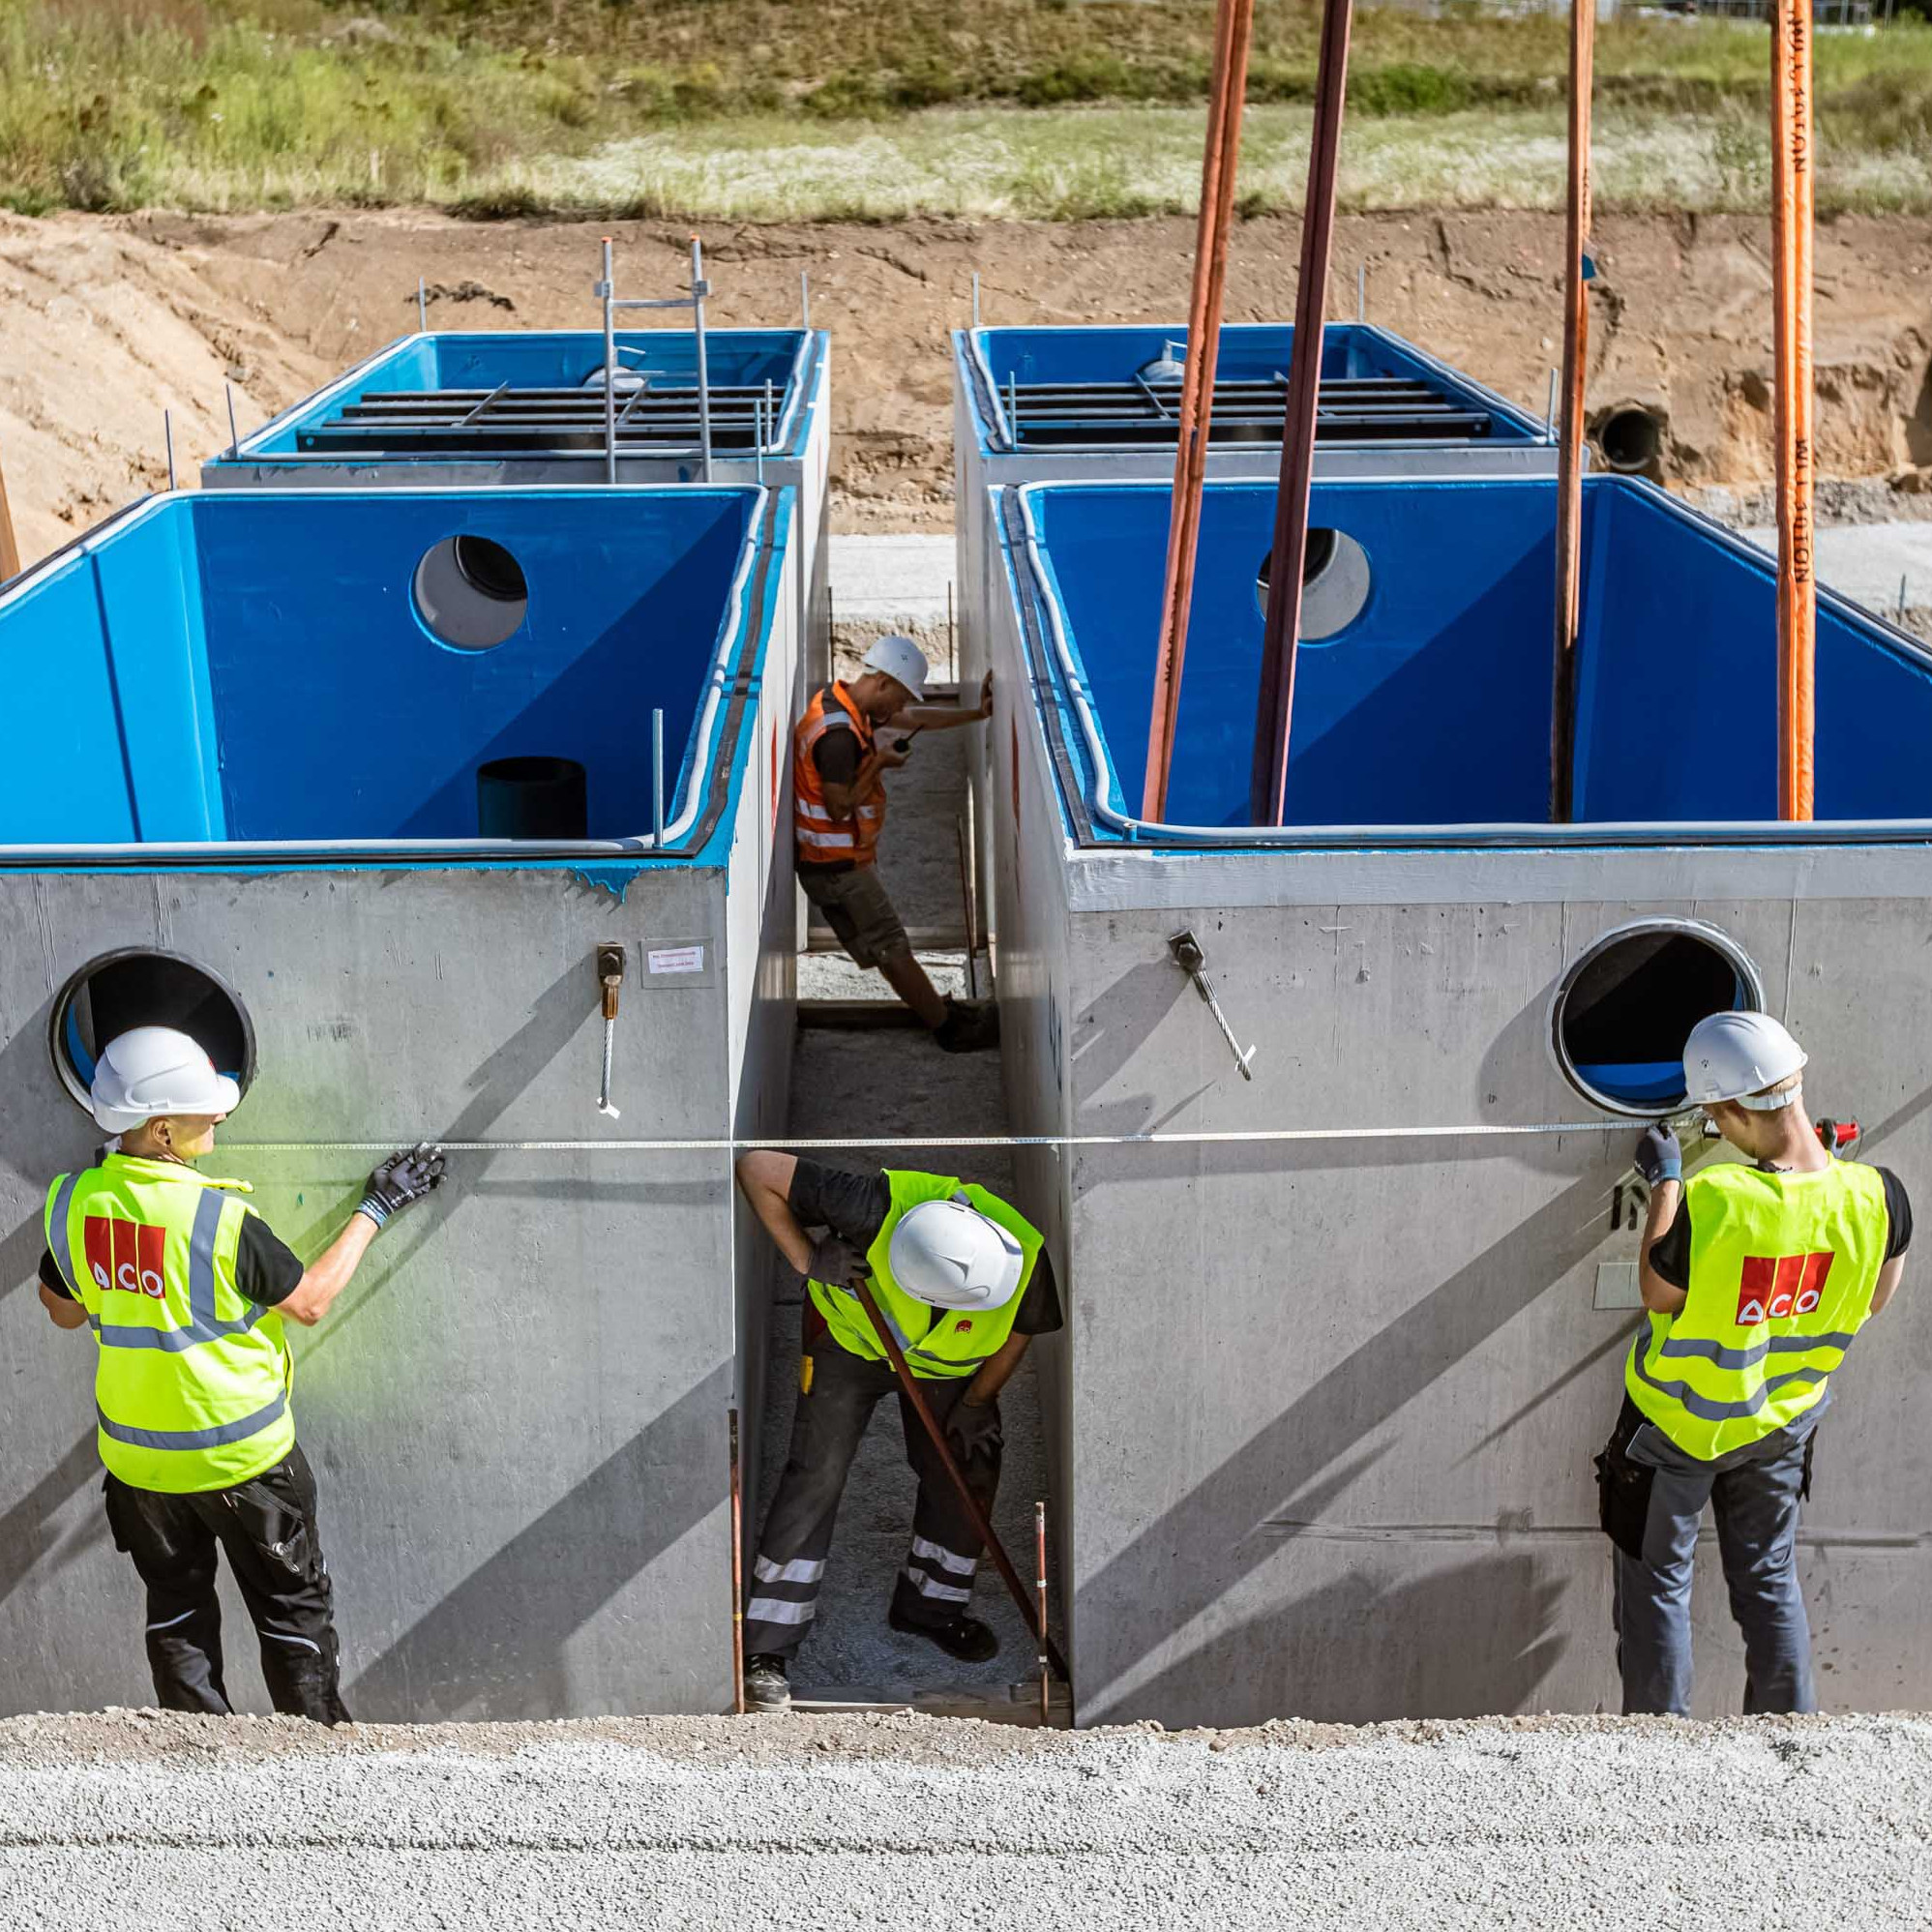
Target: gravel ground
{"type": "Point", "coordinates": [143, 1821]}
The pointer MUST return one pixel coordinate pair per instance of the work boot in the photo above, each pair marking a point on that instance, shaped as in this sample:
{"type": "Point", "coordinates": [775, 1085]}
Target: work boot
{"type": "Point", "coordinates": [767, 1685]}
{"type": "Point", "coordinates": [962, 1637]}
{"type": "Point", "coordinates": [968, 1028]}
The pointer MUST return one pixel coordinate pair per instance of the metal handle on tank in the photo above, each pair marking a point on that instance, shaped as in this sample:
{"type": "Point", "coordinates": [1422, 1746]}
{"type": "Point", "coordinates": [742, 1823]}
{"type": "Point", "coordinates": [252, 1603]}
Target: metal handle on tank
{"type": "Point", "coordinates": [1191, 961]}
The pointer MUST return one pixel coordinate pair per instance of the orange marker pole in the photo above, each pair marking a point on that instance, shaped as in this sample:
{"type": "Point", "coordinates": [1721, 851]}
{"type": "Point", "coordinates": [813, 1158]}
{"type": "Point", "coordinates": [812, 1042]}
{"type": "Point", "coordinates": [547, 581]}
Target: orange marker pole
{"type": "Point", "coordinates": [1570, 450]}
{"type": "Point", "coordinates": [1792, 217]}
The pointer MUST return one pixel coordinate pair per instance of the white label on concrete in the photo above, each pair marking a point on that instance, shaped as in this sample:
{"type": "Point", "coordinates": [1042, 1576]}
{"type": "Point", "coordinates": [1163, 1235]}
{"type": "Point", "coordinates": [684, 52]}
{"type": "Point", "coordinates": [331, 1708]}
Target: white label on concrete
{"type": "Point", "coordinates": [1617, 1286]}
{"type": "Point", "coordinates": [676, 958]}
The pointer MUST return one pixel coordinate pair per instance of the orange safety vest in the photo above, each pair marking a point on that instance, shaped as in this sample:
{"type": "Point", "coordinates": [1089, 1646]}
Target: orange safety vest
{"type": "Point", "coordinates": [822, 839]}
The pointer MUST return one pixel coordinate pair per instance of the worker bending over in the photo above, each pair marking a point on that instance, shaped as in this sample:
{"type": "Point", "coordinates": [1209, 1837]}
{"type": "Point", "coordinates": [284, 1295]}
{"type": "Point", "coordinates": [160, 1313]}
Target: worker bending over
{"type": "Point", "coordinates": [838, 793]}
{"type": "Point", "coordinates": [965, 1283]}
{"type": "Point", "coordinates": [186, 1289]}
{"type": "Point", "coordinates": [1757, 1275]}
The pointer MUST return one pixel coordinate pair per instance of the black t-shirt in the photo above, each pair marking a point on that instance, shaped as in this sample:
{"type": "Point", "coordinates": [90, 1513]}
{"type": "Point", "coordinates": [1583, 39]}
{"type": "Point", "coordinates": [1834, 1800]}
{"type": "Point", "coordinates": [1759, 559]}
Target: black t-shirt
{"type": "Point", "coordinates": [1670, 1253]}
{"type": "Point", "coordinates": [267, 1271]}
{"type": "Point", "coordinates": [854, 1208]}
{"type": "Point", "coordinates": [835, 753]}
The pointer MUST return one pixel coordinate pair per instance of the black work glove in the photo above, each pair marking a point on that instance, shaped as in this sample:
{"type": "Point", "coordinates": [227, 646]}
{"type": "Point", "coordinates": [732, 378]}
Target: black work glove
{"type": "Point", "coordinates": [1659, 1158]}
{"type": "Point", "coordinates": [406, 1176]}
{"type": "Point", "coordinates": [836, 1263]}
{"type": "Point", "coordinates": [973, 1429]}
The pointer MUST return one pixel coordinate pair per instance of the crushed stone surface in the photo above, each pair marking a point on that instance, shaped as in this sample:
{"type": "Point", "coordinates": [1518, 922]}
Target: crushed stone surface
{"type": "Point", "coordinates": [144, 1819]}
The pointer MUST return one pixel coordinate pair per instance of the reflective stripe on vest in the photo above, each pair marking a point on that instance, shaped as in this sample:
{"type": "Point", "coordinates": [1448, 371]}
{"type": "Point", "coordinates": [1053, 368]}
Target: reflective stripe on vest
{"type": "Point", "coordinates": [821, 838]}
{"type": "Point", "coordinates": [1782, 1271]}
{"type": "Point", "coordinates": [195, 1396]}
{"type": "Point", "coordinates": [937, 1343]}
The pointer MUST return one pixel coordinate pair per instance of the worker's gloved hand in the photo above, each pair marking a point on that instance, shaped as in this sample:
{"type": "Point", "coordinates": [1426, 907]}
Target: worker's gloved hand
{"type": "Point", "coordinates": [1659, 1158]}
{"type": "Point", "coordinates": [836, 1263]}
{"type": "Point", "coordinates": [973, 1429]}
{"type": "Point", "coordinates": [406, 1176]}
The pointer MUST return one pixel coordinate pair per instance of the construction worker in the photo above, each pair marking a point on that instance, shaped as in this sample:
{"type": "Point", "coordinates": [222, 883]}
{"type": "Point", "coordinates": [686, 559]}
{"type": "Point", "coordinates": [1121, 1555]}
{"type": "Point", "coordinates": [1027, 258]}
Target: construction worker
{"type": "Point", "coordinates": [1757, 1274]}
{"type": "Point", "coordinates": [965, 1283]}
{"type": "Point", "coordinates": [838, 791]}
{"type": "Point", "coordinates": [186, 1289]}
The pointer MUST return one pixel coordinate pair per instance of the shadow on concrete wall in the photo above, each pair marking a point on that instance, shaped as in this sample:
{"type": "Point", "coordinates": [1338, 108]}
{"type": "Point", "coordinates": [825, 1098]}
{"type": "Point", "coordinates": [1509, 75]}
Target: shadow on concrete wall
{"type": "Point", "coordinates": [494, 1645]}
{"type": "Point", "coordinates": [1345, 1653]}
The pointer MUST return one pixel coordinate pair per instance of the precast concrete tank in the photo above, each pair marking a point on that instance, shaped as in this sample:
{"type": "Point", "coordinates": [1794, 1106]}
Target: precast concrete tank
{"type": "Point", "coordinates": [1331, 1383]}
{"type": "Point", "coordinates": [245, 737]}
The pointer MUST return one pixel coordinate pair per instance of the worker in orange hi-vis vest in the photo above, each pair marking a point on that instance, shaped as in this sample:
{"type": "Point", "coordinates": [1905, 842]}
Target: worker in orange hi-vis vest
{"type": "Point", "coordinates": [1757, 1275]}
{"type": "Point", "coordinates": [838, 788]}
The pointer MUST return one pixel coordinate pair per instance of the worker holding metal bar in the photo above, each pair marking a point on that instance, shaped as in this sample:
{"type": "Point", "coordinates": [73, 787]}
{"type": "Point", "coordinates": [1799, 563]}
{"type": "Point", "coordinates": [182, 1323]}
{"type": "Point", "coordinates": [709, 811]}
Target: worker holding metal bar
{"type": "Point", "coordinates": [838, 790]}
{"type": "Point", "coordinates": [186, 1289]}
{"type": "Point", "coordinates": [1757, 1274]}
{"type": "Point", "coordinates": [964, 1281]}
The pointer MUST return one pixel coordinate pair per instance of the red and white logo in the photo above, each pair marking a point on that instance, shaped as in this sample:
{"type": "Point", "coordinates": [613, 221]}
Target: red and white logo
{"type": "Point", "coordinates": [1776, 1287]}
{"type": "Point", "coordinates": [125, 1255]}
{"type": "Point", "coordinates": [962, 1326]}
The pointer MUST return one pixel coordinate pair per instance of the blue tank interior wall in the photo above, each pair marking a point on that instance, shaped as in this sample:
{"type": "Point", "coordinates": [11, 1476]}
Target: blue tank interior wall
{"type": "Point", "coordinates": [541, 359]}
{"type": "Point", "coordinates": [1433, 706]}
{"type": "Point", "coordinates": [247, 666]}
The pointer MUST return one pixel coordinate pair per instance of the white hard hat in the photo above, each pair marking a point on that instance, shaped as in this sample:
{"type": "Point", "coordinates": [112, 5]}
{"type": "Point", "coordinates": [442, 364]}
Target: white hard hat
{"type": "Point", "coordinates": [1737, 1055]}
{"type": "Point", "coordinates": [949, 1254]}
{"type": "Point", "coordinates": [155, 1070]}
{"type": "Point", "coordinates": [899, 658]}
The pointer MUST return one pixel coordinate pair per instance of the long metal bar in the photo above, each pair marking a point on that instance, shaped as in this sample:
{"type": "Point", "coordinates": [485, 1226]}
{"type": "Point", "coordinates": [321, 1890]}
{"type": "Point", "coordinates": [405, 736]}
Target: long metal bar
{"type": "Point", "coordinates": [1570, 449]}
{"type": "Point", "coordinates": [1040, 1571]}
{"type": "Point", "coordinates": [657, 778]}
{"type": "Point", "coordinates": [1791, 212]}
{"type": "Point", "coordinates": [699, 290]}
{"type": "Point", "coordinates": [1274, 710]}
{"type": "Point", "coordinates": [234, 435]}
{"type": "Point", "coordinates": [975, 1515]}
{"type": "Point", "coordinates": [609, 290]}
{"type": "Point", "coordinates": [1234, 21]}
{"type": "Point", "coordinates": [167, 436]}
{"type": "Point", "coordinates": [737, 1574]}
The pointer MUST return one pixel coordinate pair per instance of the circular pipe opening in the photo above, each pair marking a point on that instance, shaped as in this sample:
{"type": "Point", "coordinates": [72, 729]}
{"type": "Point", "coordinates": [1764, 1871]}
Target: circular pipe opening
{"type": "Point", "coordinates": [471, 592]}
{"type": "Point", "coordinates": [1335, 583]}
{"type": "Point", "coordinates": [1626, 1005]}
{"type": "Point", "coordinates": [142, 986]}
{"type": "Point", "coordinates": [1631, 438]}
{"type": "Point", "coordinates": [531, 798]}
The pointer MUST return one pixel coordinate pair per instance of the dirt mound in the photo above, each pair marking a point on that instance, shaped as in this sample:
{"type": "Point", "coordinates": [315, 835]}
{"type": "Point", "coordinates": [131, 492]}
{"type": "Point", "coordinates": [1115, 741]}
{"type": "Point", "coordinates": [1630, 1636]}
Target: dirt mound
{"type": "Point", "coordinates": [109, 322]}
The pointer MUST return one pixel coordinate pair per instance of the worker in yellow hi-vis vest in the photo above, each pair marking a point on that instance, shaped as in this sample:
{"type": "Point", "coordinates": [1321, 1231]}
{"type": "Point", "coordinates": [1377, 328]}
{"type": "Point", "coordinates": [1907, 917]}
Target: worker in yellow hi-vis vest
{"type": "Point", "coordinates": [1756, 1275]}
{"type": "Point", "coordinates": [186, 1289]}
{"type": "Point", "coordinates": [965, 1283]}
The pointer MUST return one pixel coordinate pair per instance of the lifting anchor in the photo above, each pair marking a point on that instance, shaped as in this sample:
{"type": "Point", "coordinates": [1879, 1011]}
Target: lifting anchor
{"type": "Point", "coordinates": [1191, 961]}
{"type": "Point", "coordinates": [610, 976]}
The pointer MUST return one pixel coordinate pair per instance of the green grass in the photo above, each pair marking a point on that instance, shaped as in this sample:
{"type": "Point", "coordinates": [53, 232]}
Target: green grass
{"type": "Point", "coordinates": [797, 110]}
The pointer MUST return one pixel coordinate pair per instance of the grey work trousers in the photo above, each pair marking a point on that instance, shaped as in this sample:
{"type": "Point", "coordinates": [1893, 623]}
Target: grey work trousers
{"type": "Point", "coordinates": [1754, 1494]}
{"type": "Point", "coordinates": [936, 1582]}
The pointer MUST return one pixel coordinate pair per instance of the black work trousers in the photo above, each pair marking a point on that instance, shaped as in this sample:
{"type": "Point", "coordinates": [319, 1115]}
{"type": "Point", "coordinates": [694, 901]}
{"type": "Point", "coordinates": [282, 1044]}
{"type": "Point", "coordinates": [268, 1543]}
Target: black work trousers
{"type": "Point", "coordinates": [935, 1583]}
{"type": "Point", "coordinates": [267, 1525]}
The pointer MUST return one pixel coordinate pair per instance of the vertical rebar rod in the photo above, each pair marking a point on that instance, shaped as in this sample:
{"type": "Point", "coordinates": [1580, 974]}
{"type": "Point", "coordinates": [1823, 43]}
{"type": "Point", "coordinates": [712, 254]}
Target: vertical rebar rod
{"type": "Point", "coordinates": [1040, 1573]}
{"type": "Point", "coordinates": [770, 410]}
{"type": "Point", "coordinates": [1221, 152]}
{"type": "Point", "coordinates": [703, 377]}
{"type": "Point", "coordinates": [608, 287]}
{"type": "Point", "coordinates": [167, 436]}
{"type": "Point", "coordinates": [234, 439]}
{"type": "Point", "coordinates": [737, 1567]}
{"type": "Point", "coordinates": [1791, 261]}
{"type": "Point", "coordinates": [10, 548]}
{"type": "Point", "coordinates": [1361, 291]}
{"type": "Point", "coordinates": [1902, 605]}
{"type": "Point", "coordinates": [1267, 782]}
{"type": "Point", "coordinates": [805, 298]}
{"type": "Point", "coordinates": [976, 298]}
{"type": "Point", "coordinates": [422, 308]}
{"type": "Point", "coordinates": [953, 636]}
{"type": "Point", "coordinates": [1550, 410]}
{"type": "Point", "coordinates": [657, 781]}
{"type": "Point", "coordinates": [1013, 408]}
{"type": "Point", "coordinates": [1570, 451]}
{"type": "Point", "coordinates": [758, 433]}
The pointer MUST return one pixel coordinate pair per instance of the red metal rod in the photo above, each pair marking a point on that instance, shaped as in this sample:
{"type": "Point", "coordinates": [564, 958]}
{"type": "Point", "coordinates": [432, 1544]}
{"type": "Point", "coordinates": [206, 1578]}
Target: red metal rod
{"type": "Point", "coordinates": [968, 1501]}
{"type": "Point", "coordinates": [1268, 787]}
{"type": "Point", "coordinates": [1569, 457]}
{"type": "Point", "coordinates": [1791, 181]}
{"type": "Point", "coordinates": [1234, 23]}
{"type": "Point", "coordinates": [737, 1576]}
{"type": "Point", "coordinates": [1040, 1571]}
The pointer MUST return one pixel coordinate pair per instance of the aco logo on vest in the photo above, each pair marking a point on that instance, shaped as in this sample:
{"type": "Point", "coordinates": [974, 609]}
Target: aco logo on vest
{"type": "Point", "coordinates": [1778, 1286]}
{"type": "Point", "coordinates": [125, 1255]}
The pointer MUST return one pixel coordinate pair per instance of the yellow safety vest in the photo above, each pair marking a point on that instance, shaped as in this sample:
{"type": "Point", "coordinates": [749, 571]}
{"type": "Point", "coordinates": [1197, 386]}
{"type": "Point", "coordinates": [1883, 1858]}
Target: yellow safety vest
{"type": "Point", "coordinates": [937, 1341]}
{"type": "Point", "coordinates": [191, 1381]}
{"type": "Point", "coordinates": [1782, 1270]}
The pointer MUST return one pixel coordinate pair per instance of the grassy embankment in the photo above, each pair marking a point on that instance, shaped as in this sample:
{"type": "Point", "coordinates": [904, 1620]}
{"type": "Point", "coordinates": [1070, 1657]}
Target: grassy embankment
{"type": "Point", "coordinates": [798, 110]}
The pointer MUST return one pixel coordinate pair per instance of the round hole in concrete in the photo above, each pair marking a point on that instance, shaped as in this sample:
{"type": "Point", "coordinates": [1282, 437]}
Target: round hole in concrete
{"type": "Point", "coordinates": [1631, 438]}
{"type": "Point", "coordinates": [142, 986]}
{"type": "Point", "coordinates": [1335, 583]}
{"type": "Point", "coordinates": [471, 592]}
{"type": "Point", "coordinates": [1626, 1007]}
